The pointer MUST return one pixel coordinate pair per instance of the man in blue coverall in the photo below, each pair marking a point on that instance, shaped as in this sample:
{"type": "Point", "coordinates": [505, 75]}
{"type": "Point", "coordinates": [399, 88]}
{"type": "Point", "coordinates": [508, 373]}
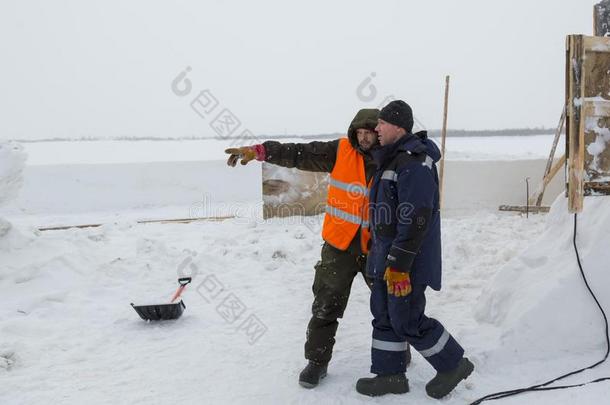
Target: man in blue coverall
{"type": "Point", "coordinates": [405, 259]}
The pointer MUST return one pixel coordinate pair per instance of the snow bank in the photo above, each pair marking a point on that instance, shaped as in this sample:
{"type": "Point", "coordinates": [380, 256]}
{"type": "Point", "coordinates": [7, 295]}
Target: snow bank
{"type": "Point", "coordinates": [12, 162]}
{"type": "Point", "coordinates": [539, 300]}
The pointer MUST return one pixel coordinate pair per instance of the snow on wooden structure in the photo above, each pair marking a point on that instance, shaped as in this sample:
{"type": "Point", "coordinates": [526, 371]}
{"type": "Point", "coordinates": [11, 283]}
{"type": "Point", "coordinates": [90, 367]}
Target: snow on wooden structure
{"type": "Point", "coordinates": [588, 118]}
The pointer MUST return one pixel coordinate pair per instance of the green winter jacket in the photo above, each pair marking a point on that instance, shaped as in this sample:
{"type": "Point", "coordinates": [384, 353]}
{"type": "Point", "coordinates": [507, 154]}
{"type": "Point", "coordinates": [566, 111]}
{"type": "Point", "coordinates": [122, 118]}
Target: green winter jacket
{"type": "Point", "coordinates": [320, 156]}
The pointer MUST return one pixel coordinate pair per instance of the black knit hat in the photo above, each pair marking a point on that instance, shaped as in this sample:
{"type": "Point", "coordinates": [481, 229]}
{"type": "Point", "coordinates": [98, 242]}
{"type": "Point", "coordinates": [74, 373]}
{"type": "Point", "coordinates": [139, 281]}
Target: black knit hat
{"type": "Point", "coordinates": [398, 113]}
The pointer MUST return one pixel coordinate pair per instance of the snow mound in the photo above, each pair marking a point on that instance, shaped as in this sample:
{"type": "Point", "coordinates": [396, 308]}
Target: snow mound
{"type": "Point", "coordinates": [539, 301]}
{"type": "Point", "coordinates": [12, 162]}
{"type": "Point", "coordinates": [5, 227]}
{"type": "Point", "coordinates": [14, 239]}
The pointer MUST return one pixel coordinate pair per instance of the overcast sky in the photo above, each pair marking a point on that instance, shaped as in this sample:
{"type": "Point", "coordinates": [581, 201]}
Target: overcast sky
{"type": "Point", "coordinates": [84, 68]}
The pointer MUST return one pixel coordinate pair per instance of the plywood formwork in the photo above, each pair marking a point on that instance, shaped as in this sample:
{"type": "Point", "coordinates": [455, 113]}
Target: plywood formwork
{"type": "Point", "coordinates": [588, 117]}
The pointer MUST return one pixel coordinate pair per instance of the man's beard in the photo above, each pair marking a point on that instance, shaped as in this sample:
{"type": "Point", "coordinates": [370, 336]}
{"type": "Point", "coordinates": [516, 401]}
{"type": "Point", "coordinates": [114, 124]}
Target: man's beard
{"type": "Point", "coordinates": [368, 145]}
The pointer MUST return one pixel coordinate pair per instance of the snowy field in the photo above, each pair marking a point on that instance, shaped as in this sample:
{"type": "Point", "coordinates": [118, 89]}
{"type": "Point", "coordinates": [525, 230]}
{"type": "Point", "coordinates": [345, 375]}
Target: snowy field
{"type": "Point", "coordinates": [511, 293]}
{"type": "Point", "coordinates": [113, 152]}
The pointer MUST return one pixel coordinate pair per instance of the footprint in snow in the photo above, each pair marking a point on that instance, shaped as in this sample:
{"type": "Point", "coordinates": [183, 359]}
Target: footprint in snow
{"type": "Point", "coordinates": [7, 360]}
{"type": "Point", "coordinates": [278, 254]}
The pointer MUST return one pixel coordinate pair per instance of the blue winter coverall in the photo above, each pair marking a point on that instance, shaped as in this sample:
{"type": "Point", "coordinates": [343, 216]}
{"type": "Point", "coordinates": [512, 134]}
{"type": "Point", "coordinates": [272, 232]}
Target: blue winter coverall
{"type": "Point", "coordinates": [406, 235]}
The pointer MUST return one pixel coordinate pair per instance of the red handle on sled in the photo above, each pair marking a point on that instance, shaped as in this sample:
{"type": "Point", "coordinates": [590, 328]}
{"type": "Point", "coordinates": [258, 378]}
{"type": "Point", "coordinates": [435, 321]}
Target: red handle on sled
{"type": "Point", "coordinates": [183, 282]}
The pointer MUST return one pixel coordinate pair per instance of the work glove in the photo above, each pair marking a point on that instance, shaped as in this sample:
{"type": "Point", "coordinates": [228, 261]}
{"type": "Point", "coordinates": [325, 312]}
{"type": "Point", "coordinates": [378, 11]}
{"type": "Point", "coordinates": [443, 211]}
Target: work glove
{"type": "Point", "coordinates": [246, 154]}
{"type": "Point", "coordinates": [398, 282]}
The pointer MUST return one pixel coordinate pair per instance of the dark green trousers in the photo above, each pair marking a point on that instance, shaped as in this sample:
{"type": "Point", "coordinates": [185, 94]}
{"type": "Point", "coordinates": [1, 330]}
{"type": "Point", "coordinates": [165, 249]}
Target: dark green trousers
{"type": "Point", "coordinates": [332, 284]}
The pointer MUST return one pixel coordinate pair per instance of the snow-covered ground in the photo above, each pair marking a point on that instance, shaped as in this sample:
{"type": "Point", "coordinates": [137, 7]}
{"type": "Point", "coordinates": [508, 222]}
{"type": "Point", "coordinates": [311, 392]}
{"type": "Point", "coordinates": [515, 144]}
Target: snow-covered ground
{"type": "Point", "coordinates": [69, 335]}
{"type": "Point", "coordinates": [511, 295]}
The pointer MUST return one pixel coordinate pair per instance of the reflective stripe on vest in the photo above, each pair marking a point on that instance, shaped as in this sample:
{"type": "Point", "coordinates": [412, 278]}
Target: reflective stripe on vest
{"type": "Point", "coordinates": [350, 188]}
{"type": "Point", "coordinates": [337, 212]}
{"type": "Point", "coordinates": [347, 201]}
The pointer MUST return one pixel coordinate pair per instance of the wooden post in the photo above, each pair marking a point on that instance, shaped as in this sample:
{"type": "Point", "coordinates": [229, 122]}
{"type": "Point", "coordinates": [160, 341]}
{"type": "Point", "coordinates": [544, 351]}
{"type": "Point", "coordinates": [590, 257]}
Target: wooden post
{"type": "Point", "coordinates": [595, 18]}
{"type": "Point", "coordinates": [575, 133]}
{"type": "Point", "coordinates": [443, 137]}
{"type": "Point", "coordinates": [601, 18]}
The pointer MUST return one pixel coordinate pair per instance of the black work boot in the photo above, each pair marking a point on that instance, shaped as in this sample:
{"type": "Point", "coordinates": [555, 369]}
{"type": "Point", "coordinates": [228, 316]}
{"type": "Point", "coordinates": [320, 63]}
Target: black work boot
{"type": "Point", "coordinates": [444, 383]}
{"type": "Point", "coordinates": [383, 384]}
{"type": "Point", "coordinates": [312, 374]}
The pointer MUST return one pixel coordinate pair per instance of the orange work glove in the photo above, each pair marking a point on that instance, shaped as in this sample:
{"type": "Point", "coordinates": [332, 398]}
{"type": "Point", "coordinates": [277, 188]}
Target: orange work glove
{"type": "Point", "coordinates": [246, 154]}
{"type": "Point", "coordinates": [399, 283]}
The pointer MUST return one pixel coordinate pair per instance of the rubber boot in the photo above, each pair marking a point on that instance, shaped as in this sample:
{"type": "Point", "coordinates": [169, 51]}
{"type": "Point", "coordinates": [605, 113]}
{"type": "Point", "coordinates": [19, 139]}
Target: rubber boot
{"type": "Point", "coordinates": [443, 383]}
{"type": "Point", "coordinates": [312, 374]}
{"type": "Point", "coordinates": [381, 385]}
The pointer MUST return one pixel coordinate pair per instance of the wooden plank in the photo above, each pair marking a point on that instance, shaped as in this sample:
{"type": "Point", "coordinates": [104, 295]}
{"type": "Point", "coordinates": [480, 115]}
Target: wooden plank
{"type": "Point", "coordinates": [532, 209]}
{"type": "Point", "coordinates": [596, 64]}
{"type": "Point", "coordinates": [595, 21]}
{"type": "Point", "coordinates": [599, 188]}
{"type": "Point", "coordinates": [185, 220]}
{"type": "Point", "coordinates": [558, 131]}
{"type": "Point", "coordinates": [596, 108]}
{"type": "Point", "coordinates": [558, 165]}
{"type": "Point", "coordinates": [595, 44]}
{"type": "Point", "coordinates": [575, 128]}
{"type": "Point", "coordinates": [147, 221]}
{"type": "Point", "coordinates": [537, 197]}
{"type": "Point", "coordinates": [65, 227]}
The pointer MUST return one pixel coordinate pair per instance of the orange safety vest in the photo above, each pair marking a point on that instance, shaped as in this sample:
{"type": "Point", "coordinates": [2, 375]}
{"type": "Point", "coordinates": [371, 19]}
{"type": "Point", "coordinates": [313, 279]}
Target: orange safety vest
{"type": "Point", "coordinates": [347, 203]}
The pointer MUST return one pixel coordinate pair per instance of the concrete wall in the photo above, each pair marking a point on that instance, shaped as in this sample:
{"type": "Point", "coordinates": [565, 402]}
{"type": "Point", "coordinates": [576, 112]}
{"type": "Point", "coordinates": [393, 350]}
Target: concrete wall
{"type": "Point", "coordinates": [469, 185]}
{"type": "Point", "coordinates": [485, 185]}
{"type": "Point", "coordinates": [72, 189]}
